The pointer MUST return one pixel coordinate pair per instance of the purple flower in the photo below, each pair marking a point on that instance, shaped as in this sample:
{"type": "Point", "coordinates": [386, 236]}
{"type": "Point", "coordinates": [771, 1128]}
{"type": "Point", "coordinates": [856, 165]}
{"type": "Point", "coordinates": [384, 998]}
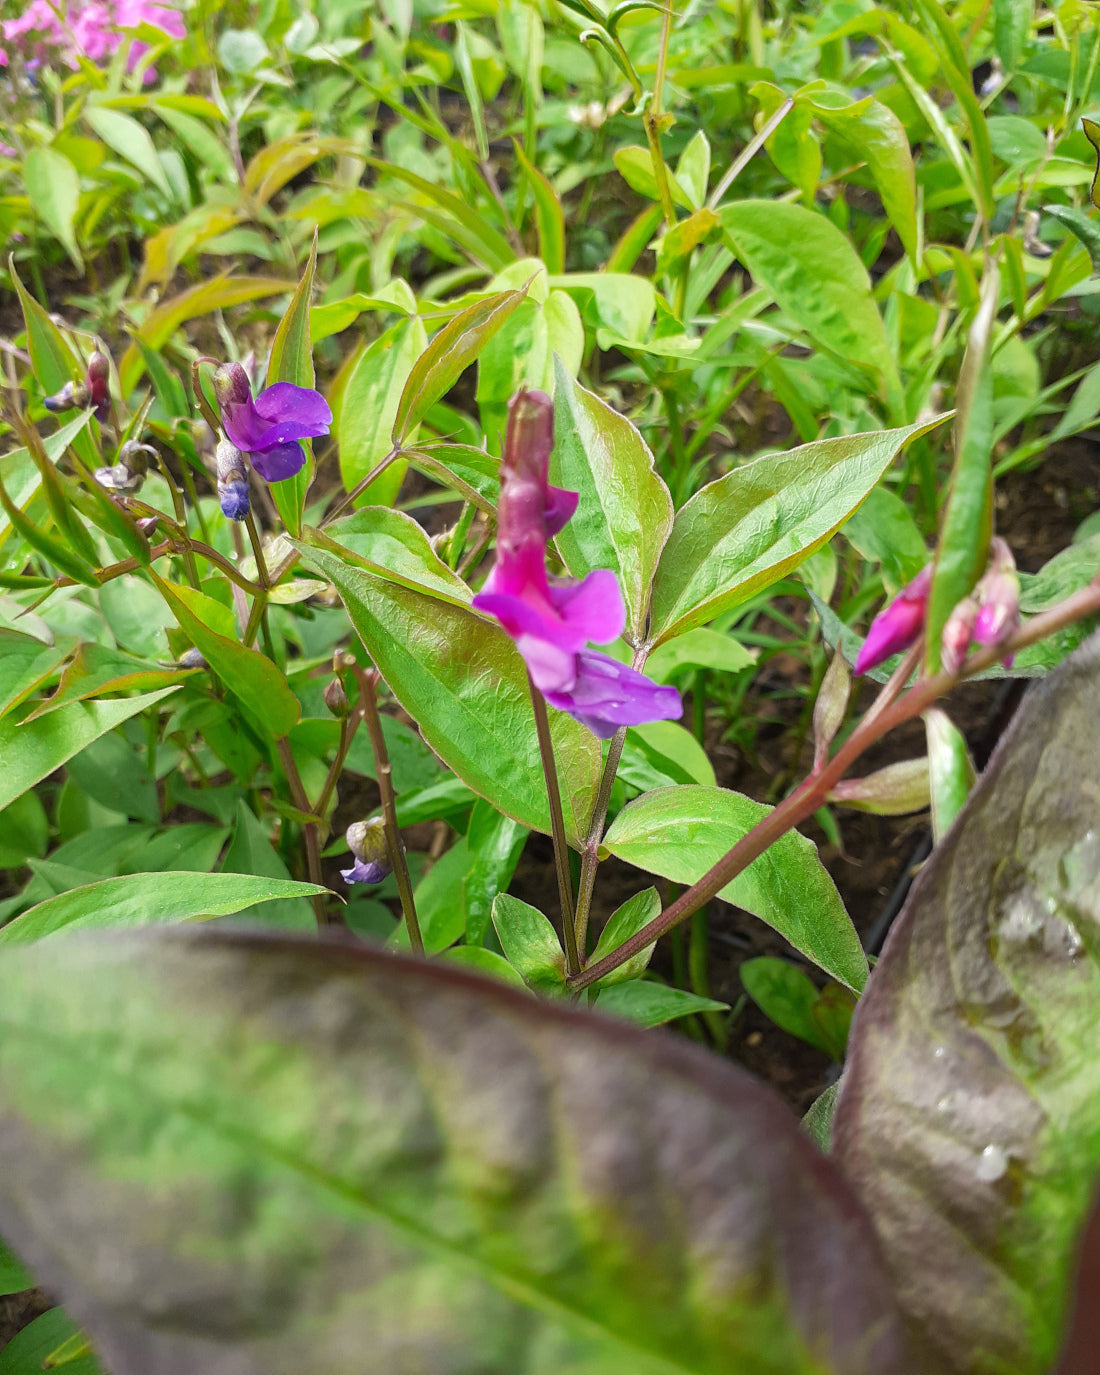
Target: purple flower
{"type": "Point", "coordinates": [268, 428]}
{"type": "Point", "coordinates": [232, 469]}
{"type": "Point", "coordinates": [898, 626]}
{"type": "Point", "coordinates": [367, 843]}
{"type": "Point", "coordinates": [553, 620]}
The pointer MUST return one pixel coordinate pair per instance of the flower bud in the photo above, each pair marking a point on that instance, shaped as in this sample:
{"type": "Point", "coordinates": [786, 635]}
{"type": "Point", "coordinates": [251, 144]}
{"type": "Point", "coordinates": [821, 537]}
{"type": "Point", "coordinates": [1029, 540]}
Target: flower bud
{"type": "Point", "coordinates": [148, 525]}
{"type": "Point", "coordinates": [191, 658]}
{"type": "Point", "coordinates": [231, 386]}
{"type": "Point", "coordinates": [898, 626]}
{"type": "Point", "coordinates": [343, 661]}
{"type": "Point", "coordinates": [530, 435]}
{"type": "Point", "coordinates": [119, 479]}
{"type": "Point", "coordinates": [232, 470]}
{"type": "Point", "coordinates": [336, 699]}
{"type": "Point", "coordinates": [71, 394]}
{"type": "Point", "coordinates": [99, 385]}
{"type": "Point", "coordinates": [133, 456]}
{"type": "Point", "coordinates": [892, 791]}
{"type": "Point", "coordinates": [369, 848]}
{"type": "Point", "coordinates": [958, 631]}
{"type": "Point", "coordinates": [998, 593]}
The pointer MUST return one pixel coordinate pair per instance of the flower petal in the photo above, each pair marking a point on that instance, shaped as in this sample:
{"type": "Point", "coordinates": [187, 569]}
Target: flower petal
{"type": "Point", "coordinates": [552, 670]}
{"type": "Point", "coordinates": [559, 508]}
{"type": "Point", "coordinates": [607, 695]}
{"type": "Point", "coordinates": [592, 608]}
{"type": "Point", "coordinates": [283, 461]}
{"type": "Point", "coordinates": [244, 426]}
{"type": "Point", "coordinates": [302, 405]}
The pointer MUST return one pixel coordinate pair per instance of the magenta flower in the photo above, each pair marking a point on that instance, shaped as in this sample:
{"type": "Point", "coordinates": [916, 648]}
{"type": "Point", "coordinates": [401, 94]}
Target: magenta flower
{"type": "Point", "coordinates": [268, 428]}
{"type": "Point", "coordinates": [898, 626]}
{"type": "Point", "coordinates": [553, 620]}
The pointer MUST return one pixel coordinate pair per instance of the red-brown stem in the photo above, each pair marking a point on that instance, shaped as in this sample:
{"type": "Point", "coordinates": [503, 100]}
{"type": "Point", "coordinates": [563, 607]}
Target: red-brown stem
{"type": "Point", "coordinates": [811, 793]}
{"type": "Point", "coordinates": [557, 828]}
{"type": "Point", "coordinates": [309, 828]}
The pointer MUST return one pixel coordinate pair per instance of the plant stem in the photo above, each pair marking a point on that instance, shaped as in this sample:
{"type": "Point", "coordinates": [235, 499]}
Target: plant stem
{"type": "Point", "coordinates": [309, 828]}
{"type": "Point", "coordinates": [811, 793]}
{"type": "Point", "coordinates": [368, 706]}
{"type": "Point", "coordinates": [343, 504]}
{"type": "Point", "coordinates": [557, 827]}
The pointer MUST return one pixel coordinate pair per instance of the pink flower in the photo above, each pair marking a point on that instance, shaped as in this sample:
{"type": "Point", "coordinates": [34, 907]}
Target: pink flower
{"type": "Point", "coordinates": [898, 626]}
{"type": "Point", "coordinates": [552, 621]}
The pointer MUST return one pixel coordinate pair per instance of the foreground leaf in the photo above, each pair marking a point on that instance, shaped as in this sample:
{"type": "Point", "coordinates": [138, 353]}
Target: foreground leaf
{"type": "Point", "coordinates": [969, 1115]}
{"type": "Point", "coordinates": [263, 1156]}
{"type": "Point", "coordinates": [746, 530]}
{"type": "Point", "coordinates": [680, 832]}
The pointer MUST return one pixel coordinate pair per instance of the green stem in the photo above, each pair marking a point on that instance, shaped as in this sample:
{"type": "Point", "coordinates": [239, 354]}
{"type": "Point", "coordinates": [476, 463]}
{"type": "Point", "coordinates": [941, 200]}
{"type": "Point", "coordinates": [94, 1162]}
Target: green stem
{"type": "Point", "coordinates": [368, 706]}
{"type": "Point", "coordinates": [557, 828]}
{"type": "Point", "coordinates": [309, 828]}
{"type": "Point", "coordinates": [812, 792]}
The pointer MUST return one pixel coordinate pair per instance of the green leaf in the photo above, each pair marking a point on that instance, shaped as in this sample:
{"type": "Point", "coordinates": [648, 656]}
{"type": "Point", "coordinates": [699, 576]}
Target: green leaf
{"type": "Point", "coordinates": [700, 648]}
{"type": "Point", "coordinates": [53, 188]}
{"type": "Point", "coordinates": [495, 843]}
{"type": "Point", "coordinates": [24, 831]}
{"type": "Point", "coordinates": [816, 277]}
{"type": "Point", "coordinates": [674, 751]}
{"type": "Point", "coordinates": [1011, 25]}
{"type": "Point", "coordinates": [95, 670]}
{"type": "Point", "coordinates": [789, 997]}
{"type": "Point", "coordinates": [653, 1004]}
{"type": "Point", "coordinates": [1067, 572]}
{"type": "Point", "coordinates": [25, 664]}
{"type": "Point", "coordinates": [748, 529]}
{"type": "Point", "coordinates": [969, 1116]}
{"type": "Point", "coordinates": [693, 168]}
{"type": "Point", "coordinates": [624, 515]}
{"type": "Point", "coordinates": [32, 750]}
{"type": "Point", "coordinates": [292, 361]}
{"type": "Point", "coordinates": [114, 774]}
{"type": "Point", "coordinates": [14, 1276]}
{"type": "Point", "coordinates": [148, 900]}
{"type": "Point", "coordinates": [26, 1353]}
{"type": "Point", "coordinates": [463, 682]}
{"type": "Point", "coordinates": [447, 357]}
{"type": "Point", "coordinates": [530, 944]}
{"type": "Point", "coordinates": [482, 961]}
{"type": "Point", "coordinates": [680, 833]}
{"type": "Point", "coordinates": [250, 675]}
{"type": "Point", "coordinates": [131, 141]}
{"type": "Point", "coordinates": [884, 531]}
{"type": "Point", "coordinates": [250, 852]}
{"type": "Point", "coordinates": [1084, 226]}
{"type": "Point", "coordinates": [623, 923]}
{"type": "Point", "coordinates": [818, 1122]}
{"type": "Point", "coordinates": [967, 522]}
{"type": "Point", "coordinates": [950, 769]}
{"type": "Point", "coordinates": [392, 545]}
{"type": "Point", "coordinates": [368, 408]}
{"type": "Point", "coordinates": [377, 1164]}
{"type": "Point", "coordinates": [549, 217]}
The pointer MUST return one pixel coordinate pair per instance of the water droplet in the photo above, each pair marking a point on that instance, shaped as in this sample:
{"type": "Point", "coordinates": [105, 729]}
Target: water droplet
{"type": "Point", "coordinates": [940, 1052]}
{"type": "Point", "coordinates": [992, 1164]}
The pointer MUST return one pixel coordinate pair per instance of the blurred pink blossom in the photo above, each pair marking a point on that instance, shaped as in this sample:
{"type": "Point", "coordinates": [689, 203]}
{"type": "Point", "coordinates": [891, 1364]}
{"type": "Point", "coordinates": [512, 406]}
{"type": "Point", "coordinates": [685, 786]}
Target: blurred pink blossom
{"type": "Point", "coordinates": [94, 31]}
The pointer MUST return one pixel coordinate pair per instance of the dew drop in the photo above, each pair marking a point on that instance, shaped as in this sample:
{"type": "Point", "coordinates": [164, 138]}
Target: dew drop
{"type": "Point", "coordinates": [992, 1164]}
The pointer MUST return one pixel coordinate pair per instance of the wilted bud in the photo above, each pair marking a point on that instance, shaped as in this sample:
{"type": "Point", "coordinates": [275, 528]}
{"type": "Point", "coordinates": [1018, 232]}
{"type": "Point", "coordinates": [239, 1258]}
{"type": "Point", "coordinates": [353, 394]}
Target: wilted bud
{"type": "Point", "coordinates": [958, 631]}
{"type": "Point", "coordinates": [998, 593]}
{"type": "Point", "coordinates": [336, 699]}
{"type": "Point", "coordinates": [99, 385]}
{"type": "Point", "coordinates": [831, 704]}
{"type": "Point", "coordinates": [119, 479]}
{"type": "Point", "coordinates": [135, 456]}
{"type": "Point", "coordinates": [367, 843]}
{"type": "Point", "coordinates": [191, 658]}
{"type": "Point", "coordinates": [898, 626]}
{"type": "Point", "coordinates": [231, 386]}
{"type": "Point", "coordinates": [232, 480]}
{"type": "Point", "coordinates": [892, 791]}
{"type": "Point", "coordinates": [71, 394]}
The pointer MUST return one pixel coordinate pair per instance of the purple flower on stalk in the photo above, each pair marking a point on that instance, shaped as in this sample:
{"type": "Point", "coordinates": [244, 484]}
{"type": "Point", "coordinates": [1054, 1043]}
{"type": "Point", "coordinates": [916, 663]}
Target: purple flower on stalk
{"type": "Point", "coordinates": [367, 843]}
{"type": "Point", "coordinates": [232, 470]}
{"type": "Point", "coordinates": [553, 620]}
{"type": "Point", "coordinates": [269, 427]}
{"type": "Point", "coordinates": [898, 626]}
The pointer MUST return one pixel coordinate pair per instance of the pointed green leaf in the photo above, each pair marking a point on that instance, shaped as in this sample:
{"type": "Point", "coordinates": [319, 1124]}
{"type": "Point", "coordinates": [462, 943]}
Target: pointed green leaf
{"type": "Point", "coordinates": [530, 944]}
{"type": "Point", "coordinates": [130, 140]}
{"type": "Point", "coordinates": [292, 361]}
{"type": "Point", "coordinates": [53, 188]}
{"type": "Point", "coordinates": [680, 832]}
{"type": "Point", "coordinates": [654, 1004]}
{"type": "Point", "coordinates": [623, 923]}
{"type": "Point", "coordinates": [368, 408]}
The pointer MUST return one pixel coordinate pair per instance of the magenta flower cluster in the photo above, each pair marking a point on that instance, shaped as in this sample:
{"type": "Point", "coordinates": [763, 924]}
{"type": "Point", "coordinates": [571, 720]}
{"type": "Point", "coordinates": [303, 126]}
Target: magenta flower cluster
{"type": "Point", "coordinates": [93, 31]}
{"type": "Point", "coordinates": [552, 621]}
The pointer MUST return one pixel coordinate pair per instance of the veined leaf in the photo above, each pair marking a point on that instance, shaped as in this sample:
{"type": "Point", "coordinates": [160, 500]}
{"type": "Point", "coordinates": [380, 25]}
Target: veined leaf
{"type": "Point", "coordinates": [308, 1131]}
{"type": "Point", "coordinates": [292, 361]}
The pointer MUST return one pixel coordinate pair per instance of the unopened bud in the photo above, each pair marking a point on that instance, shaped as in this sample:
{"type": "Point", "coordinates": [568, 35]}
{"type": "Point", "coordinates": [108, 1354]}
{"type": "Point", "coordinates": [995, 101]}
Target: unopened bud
{"type": "Point", "coordinates": [147, 525]}
{"type": "Point", "coordinates": [892, 791]}
{"type": "Point", "coordinates": [233, 493]}
{"type": "Point", "coordinates": [370, 850]}
{"type": "Point", "coordinates": [99, 385]}
{"type": "Point", "coordinates": [231, 385]}
{"type": "Point", "coordinates": [831, 704]}
{"type": "Point", "coordinates": [898, 626]}
{"type": "Point", "coordinates": [958, 631]}
{"type": "Point", "coordinates": [530, 435]}
{"type": "Point", "coordinates": [336, 699]}
{"type": "Point", "coordinates": [191, 658]}
{"type": "Point", "coordinates": [998, 593]}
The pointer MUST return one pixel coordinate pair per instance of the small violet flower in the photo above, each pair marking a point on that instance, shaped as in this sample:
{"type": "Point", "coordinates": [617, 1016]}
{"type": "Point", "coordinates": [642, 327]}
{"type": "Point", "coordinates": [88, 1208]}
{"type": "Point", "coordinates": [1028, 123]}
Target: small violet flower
{"type": "Point", "coordinates": [552, 621]}
{"type": "Point", "coordinates": [269, 427]}
{"type": "Point", "coordinates": [897, 626]}
{"type": "Point", "coordinates": [232, 469]}
{"type": "Point", "coordinates": [367, 843]}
